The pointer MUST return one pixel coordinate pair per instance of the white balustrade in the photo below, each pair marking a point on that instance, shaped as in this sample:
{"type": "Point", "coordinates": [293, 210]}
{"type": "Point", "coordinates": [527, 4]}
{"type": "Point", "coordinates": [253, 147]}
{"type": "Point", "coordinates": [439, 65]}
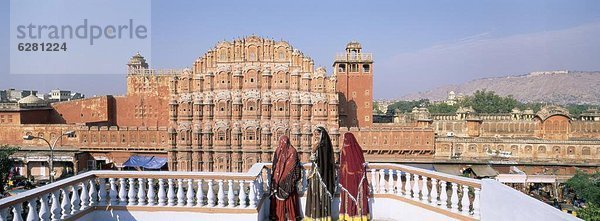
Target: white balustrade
{"type": "Point", "coordinates": [44, 210]}
{"type": "Point", "coordinates": [141, 193]}
{"type": "Point", "coordinates": [151, 193]}
{"type": "Point", "coordinates": [454, 198]}
{"type": "Point", "coordinates": [18, 212]}
{"type": "Point", "coordinates": [190, 193]}
{"type": "Point", "coordinates": [32, 214]}
{"type": "Point", "coordinates": [171, 193]}
{"type": "Point", "coordinates": [75, 200]}
{"type": "Point", "coordinates": [180, 195]}
{"type": "Point", "coordinates": [374, 181]}
{"type": "Point", "coordinates": [98, 198]}
{"type": "Point", "coordinates": [210, 194]}
{"type": "Point", "coordinates": [443, 194]}
{"type": "Point", "coordinates": [55, 208]}
{"type": "Point", "coordinates": [85, 200]}
{"type": "Point", "coordinates": [382, 181]}
{"type": "Point", "coordinates": [424, 190]}
{"type": "Point", "coordinates": [464, 203]}
{"type": "Point", "coordinates": [476, 213]}
{"type": "Point", "coordinates": [132, 193]}
{"type": "Point", "coordinates": [415, 186]}
{"type": "Point", "coordinates": [221, 195]}
{"type": "Point", "coordinates": [434, 191]}
{"type": "Point", "coordinates": [252, 195]}
{"type": "Point", "coordinates": [242, 194]}
{"type": "Point", "coordinates": [65, 203]}
{"type": "Point", "coordinates": [199, 194]}
{"type": "Point", "coordinates": [407, 187]}
{"type": "Point", "coordinates": [399, 182]}
{"type": "Point", "coordinates": [230, 198]}
{"type": "Point", "coordinates": [122, 192]}
{"type": "Point", "coordinates": [162, 195]}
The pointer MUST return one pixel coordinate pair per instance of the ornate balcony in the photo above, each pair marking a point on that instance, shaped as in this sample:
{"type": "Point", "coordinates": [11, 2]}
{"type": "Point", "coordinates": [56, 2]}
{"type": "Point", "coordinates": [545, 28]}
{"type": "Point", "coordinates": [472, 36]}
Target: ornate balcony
{"type": "Point", "coordinates": [398, 192]}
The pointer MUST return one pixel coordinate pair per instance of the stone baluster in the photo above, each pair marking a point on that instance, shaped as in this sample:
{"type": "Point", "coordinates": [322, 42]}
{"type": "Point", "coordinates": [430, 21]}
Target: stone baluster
{"type": "Point", "coordinates": [162, 195]}
{"type": "Point", "coordinates": [180, 195]}
{"type": "Point", "coordinates": [382, 181]}
{"type": "Point", "coordinates": [151, 192]}
{"type": "Point", "coordinates": [75, 200]}
{"type": "Point", "coordinates": [65, 203]}
{"type": "Point", "coordinates": [132, 193]}
{"type": "Point", "coordinates": [398, 182]}
{"type": "Point", "coordinates": [210, 194]}
{"type": "Point", "coordinates": [242, 195]}
{"type": "Point", "coordinates": [424, 190]}
{"type": "Point", "coordinates": [454, 198]}
{"type": "Point", "coordinates": [464, 203]}
{"type": "Point", "coordinates": [171, 193]}
{"type": "Point", "coordinates": [122, 192]}
{"type": "Point", "coordinates": [85, 198]}
{"type": "Point", "coordinates": [44, 209]}
{"type": "Point", "coordinates": [32, 214]}
{"type": "Point", "coordinates": [415, 186]}
{"type": "Point", "coordinates": [407, 186]}
{"type": "Point", "coordinates": [190, 193]}
{"type": "Point", "coordinates": [230, 197]}
{"type": "Point", "coordinates": [476, 203]}
{"type": "Point", "coordinates": [434, 191]}
{"type": "Point", "coordinates": [252, 195]}
{"type": "Point", "coordinates": [17, 212]}
{"type": "Point", "coordinates": [199, 194]}
{"type": "Point", "coordinates": [221, 195]}
{"type": "Point", "coordinates": [443, 194]}
{"type": "Point", "coordinates": [374, 181]}
{"type": "Point", "coordinates": [141, 193]}
{"type": "Point", "coordinates": [55, 207]}
{"type": "Point", "coordinates": [100, 197]}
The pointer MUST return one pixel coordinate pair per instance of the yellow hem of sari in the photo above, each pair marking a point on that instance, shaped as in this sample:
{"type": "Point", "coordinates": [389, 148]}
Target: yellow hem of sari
{"type": "Point", "coordinates": [317, 219]}
{"type": "Point", "coordinates": [346, 217]}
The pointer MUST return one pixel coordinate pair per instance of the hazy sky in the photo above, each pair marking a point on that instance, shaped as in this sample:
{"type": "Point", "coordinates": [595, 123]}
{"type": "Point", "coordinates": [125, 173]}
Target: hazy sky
{"type": "Point", "coordinates": [417, 45]}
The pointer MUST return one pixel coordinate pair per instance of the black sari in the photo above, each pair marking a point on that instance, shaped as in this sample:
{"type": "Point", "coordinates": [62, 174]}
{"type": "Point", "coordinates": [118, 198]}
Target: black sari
{"type": "Point", "coordinates": [321, 180]}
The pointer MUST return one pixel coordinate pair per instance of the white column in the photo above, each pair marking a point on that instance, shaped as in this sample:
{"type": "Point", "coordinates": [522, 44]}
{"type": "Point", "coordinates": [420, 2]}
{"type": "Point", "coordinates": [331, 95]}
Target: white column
{"type": "Point", "coordinates": [242, 195]}
{"type": "Point", "coordinates": [141, 193]}
{"type": "Point", "coordinates": [151, 192]}
{"type": "Point", "coordinates": [55, 207]}
{"type": "Point", "coordinates": [454, 198]}
{"type": "Point", "coordinates": [74, 200]}
{"type": "Point", "coordinates": [415, 186]}
{"type": "Point", "coordinates": [210, 194]}
{"type": "Point", "coordinates": [464, 203]}
{"type": "Point", "coordinates": [382, 181]}
{"type": "Point", "coordinates": [122, 192]}
{"type": "Point", "coordinates": [252, 195]}
{"type": "Point", "coordinates": [85, 198]}
{"type": "Point", "coordinates": [230, 197]}
{"type": "Point", "coordinates": [65, 203]}
{"type": "Point", "coordinates": [199, 194]}
{"type": "Point", "coordinates": [221, 195]}
{"type": "Point", "coordinates": [434, 191]}
{"type": "Point", "coordinates": [17, 211]}
{"type": "Point", "coordinates": [180, 195]}
{"type": "Point", "coordinates": [131, 194]}
{"type": "Point", "coordinates": [476, 203]}
{"type": "Point", "coordinates": [162, 196]}
{"type": "Point", "coordinates": [32, 214]}
{"type": "Point", "coordinates": [98, 198]}
{"type": "Point", "coordinates": [374, 181]}
{"type": "Point", "coordinates": [398, 182]}
{"type": "Point", "coordinates": [44, 210]}
{"type": "Point", "coordinates": [171, 193]}
{"type": "Point", "coordinates": [424, 190]}
{"type": "Point", "coordinates": [407, 186]}
{"type": "Point", "coordinates": [443, 194]}
{"type": "Point", "coordinates": [190, 193]}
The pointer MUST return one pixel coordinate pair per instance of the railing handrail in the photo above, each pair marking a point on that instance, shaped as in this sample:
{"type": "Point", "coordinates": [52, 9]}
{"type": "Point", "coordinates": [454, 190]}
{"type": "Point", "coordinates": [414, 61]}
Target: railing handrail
{"type": "Point", "coordinates": [428, 173]}
{"type": "Point", "coordinates": [254, 171]}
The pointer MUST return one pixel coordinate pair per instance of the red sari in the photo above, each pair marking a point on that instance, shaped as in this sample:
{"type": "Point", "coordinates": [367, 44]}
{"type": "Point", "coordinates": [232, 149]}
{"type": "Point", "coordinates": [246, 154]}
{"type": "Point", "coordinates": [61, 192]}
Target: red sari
{"type": "Point", "coordinates": [286, 174]}
{"type": "Point", "coordinates": [354, 194]}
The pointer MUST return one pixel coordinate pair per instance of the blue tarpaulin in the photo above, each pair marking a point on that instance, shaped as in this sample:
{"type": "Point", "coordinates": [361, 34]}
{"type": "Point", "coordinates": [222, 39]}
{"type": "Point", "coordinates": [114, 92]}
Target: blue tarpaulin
{"type": "Point", "coordinates": [146, 162]}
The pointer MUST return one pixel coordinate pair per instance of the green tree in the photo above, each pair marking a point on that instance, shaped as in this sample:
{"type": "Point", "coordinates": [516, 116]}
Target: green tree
{"type": "Point", "coordinates": [489, 102]}
{"type": "Point", "coordinates": [442, 108]}
{"type": "Point", "coordinates": [406, 106]}
{"type": "Point", "coordinates": [5, 164]}
{"type": "Point", "coordinates": [587, 187]}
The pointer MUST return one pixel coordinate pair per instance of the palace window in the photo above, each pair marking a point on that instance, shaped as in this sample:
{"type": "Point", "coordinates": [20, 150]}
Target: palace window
{"type": "Point", "coordinates": [585, 151]}
{"type": "Point", "coordinates": [221, 135]}
{"type": "Point", "coordinates": [541, 149]}
{"type": "Point", "coordinates": [571, 150]}
{"type": "Point", "coordinates": [342, 68]}
{"type": "Point", "coordinates": [556, 149]}
{"type": "Point", "coordinates": [250, 135]}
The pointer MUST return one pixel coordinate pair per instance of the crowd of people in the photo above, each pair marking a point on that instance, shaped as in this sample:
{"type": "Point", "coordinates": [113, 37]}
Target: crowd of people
{"type": "Point", "coordinates": [351, 176]}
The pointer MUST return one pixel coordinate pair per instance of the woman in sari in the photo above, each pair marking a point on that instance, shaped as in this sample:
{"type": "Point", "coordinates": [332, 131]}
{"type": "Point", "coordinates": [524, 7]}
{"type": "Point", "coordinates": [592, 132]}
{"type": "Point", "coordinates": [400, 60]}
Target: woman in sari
{"type": "Point", "coordinates": [286, 174]}
{"type": "Point", "coordinates": [354, 193]}
{"type": "Point", "coordinates": [321, 181]}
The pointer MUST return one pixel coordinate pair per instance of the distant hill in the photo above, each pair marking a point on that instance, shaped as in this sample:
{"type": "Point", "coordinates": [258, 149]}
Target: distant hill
{"type": "Point", "coordinates": [560, 87]}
